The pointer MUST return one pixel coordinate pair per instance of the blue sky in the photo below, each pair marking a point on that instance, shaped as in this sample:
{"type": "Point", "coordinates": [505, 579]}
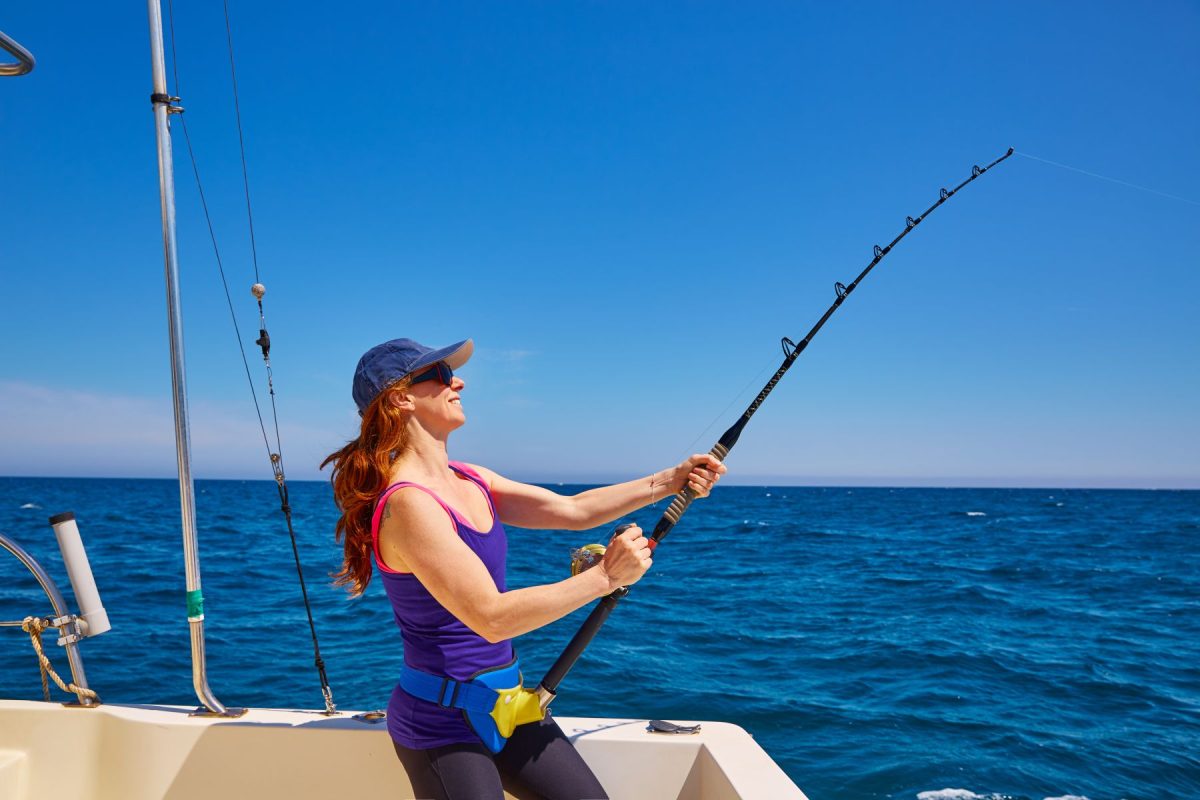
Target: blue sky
{"type": "Point", "coordinates": [626, 205]}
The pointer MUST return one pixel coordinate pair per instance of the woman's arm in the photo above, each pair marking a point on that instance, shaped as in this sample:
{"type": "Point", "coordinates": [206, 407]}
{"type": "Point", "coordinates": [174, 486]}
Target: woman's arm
{"type": "Point", "coordinates": [529, 506]}
{"type": "Point", "coordinates": [417, 535]}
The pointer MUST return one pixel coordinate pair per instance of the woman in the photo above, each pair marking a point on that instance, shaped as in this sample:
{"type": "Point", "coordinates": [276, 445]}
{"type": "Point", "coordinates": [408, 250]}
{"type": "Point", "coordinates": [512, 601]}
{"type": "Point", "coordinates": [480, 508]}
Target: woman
{"type": "Point", "coordinates": [434, 529]}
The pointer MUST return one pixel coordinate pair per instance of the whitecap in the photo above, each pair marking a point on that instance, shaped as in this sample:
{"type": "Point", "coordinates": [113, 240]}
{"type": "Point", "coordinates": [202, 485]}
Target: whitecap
{"type": "Point", "coordinates": [31, 505]}
{"type": "Point", "coordinates": [950, 794]}
{"type": "Point", "coordinates": [768, 494]}
{"type": "Point", "coordinates": [976, 513]}
{"type": "Point", "coordinates": [1068, 797]}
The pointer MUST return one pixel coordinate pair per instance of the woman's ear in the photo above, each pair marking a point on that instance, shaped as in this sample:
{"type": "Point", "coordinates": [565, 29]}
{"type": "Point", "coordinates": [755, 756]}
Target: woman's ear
{"type": "Point", "coordinates": [402, 401]}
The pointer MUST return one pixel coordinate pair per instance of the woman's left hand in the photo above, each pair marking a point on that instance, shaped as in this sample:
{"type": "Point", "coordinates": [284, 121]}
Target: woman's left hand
{"type": "Point", "coordinates": [699, 473]}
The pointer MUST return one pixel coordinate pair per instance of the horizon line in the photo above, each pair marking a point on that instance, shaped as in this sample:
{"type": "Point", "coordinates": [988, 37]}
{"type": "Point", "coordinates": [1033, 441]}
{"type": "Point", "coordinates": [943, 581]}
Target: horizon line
{"type": "Point", "coordinates": [776, 481]}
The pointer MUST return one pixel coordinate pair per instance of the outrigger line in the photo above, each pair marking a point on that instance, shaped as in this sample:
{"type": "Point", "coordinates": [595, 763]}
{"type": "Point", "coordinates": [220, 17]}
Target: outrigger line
{"type": "Point", "coordinates": [263, 341]}
{"type": "Point", "coordinates": [548, 688]}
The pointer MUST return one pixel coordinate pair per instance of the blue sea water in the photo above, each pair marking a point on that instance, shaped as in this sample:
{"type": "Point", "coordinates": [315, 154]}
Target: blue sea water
{"type": "Point", "coordinates": [925, 644]}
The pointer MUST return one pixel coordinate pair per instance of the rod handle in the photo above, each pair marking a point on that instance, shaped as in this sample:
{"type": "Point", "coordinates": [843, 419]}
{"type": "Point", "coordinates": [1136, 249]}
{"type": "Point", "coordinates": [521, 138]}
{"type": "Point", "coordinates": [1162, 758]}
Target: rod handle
{"type": "Point", "coordinates": [682, 501]}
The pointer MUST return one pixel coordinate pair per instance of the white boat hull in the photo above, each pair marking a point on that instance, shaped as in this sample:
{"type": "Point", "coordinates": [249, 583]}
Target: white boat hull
{"type": "Point", "coordinates": [117, 752]}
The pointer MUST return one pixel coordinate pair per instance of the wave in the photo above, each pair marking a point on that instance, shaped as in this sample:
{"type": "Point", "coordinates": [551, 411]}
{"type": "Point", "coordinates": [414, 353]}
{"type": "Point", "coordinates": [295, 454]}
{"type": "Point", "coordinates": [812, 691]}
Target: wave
{"type": "Point", "coordinates": [967, 794]}
{"type": "Point", "coordinates": [31, 505]}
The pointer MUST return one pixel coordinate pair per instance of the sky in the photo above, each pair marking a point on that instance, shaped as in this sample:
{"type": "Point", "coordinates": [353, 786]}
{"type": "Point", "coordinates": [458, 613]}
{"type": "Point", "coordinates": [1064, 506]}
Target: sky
{"type": "Point", "coordinates": [626, 205]}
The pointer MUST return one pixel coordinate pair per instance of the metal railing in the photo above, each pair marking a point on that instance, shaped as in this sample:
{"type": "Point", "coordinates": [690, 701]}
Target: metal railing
{"type": "Point", "coordinates": [70, 628]}
{"type": "Point", "coordinates": [24, 62]}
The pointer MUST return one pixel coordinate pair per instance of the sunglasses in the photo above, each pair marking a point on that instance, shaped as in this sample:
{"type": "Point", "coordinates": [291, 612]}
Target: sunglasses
{"type": "Point", "coordinates": [440, 371]}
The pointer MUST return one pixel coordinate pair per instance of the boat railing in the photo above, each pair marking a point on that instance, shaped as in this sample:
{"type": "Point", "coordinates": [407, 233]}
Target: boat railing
{"type": "Point", "coordinates": [72, 627]}
{"type": "Point", "coordinates": [23, 64]}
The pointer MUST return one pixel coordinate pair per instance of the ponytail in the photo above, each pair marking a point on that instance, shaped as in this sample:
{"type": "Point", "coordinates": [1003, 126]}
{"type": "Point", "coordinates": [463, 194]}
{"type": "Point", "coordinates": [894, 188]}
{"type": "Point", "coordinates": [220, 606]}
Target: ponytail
{"type": "Point", "coordinates": [360, 474]}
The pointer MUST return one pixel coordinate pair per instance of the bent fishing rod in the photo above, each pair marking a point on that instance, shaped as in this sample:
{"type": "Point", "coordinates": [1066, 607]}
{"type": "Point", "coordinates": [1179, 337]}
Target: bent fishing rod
{"type": "Point", "coordinates": [548, 688]}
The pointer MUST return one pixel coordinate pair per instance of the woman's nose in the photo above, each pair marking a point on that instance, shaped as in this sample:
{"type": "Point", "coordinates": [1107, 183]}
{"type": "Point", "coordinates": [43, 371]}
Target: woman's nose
{"type": "Point", "coordinates": [457, 383]}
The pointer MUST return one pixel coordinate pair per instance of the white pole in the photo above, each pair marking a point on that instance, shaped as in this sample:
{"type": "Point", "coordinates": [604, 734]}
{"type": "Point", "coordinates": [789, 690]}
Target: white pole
{"type": "Point", "coordinates": [79, 570]}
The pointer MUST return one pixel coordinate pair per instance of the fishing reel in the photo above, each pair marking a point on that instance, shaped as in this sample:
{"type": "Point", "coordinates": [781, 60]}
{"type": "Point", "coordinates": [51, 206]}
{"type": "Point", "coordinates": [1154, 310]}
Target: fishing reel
{"type": "Point", "coordinates": [586, 557]}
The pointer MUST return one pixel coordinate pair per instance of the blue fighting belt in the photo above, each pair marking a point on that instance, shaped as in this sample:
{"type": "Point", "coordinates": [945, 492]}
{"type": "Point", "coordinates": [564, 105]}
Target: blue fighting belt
{"type": "Point", "coordinates": [493, 701]}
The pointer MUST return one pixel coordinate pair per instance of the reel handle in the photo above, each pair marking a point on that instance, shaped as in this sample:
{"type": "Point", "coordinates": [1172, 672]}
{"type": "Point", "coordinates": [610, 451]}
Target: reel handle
{"type": "Point", "coordinates": [617, 531]}
{"type": "Point", "coordinates": [624, 526]}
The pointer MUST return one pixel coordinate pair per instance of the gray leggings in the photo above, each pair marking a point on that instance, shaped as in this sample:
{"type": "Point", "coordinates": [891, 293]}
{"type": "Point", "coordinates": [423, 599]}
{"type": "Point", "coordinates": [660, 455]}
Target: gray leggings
{"type": "Point", "coordinates": [538, 757]}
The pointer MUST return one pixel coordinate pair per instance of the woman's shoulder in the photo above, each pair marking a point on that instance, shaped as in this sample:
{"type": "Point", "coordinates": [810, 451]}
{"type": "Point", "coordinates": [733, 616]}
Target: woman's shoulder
{"type": "Point", "coordinates": [475, 471]}
{"type": "Point", "coordinates": [411, 504]}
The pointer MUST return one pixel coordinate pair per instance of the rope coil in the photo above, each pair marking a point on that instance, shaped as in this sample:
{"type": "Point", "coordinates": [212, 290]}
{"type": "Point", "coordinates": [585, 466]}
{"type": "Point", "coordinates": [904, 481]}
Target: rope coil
{"type": "Point", "coordinates": [34, 627]}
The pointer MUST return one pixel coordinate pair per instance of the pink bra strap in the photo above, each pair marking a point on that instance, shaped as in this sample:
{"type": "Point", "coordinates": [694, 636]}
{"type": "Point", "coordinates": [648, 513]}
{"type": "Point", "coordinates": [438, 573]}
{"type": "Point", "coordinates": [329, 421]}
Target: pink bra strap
{"type": "Point", "coordinates": [477, 479]}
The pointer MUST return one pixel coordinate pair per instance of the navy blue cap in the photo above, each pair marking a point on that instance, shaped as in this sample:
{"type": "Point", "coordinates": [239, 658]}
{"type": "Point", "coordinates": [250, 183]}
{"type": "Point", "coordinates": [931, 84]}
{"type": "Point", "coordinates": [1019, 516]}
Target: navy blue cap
{"type": "Point", "coordinates": [386, 363]}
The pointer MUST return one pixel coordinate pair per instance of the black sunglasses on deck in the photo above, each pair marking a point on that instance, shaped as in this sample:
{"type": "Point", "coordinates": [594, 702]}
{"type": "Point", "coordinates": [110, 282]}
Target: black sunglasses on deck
{"type": "Point", "coordinates": [441, 371]}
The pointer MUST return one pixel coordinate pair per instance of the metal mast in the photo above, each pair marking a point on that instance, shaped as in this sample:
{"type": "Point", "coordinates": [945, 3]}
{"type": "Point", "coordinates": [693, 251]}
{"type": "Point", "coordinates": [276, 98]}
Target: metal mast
{"type": "Point", "coordinates": [163, 108]}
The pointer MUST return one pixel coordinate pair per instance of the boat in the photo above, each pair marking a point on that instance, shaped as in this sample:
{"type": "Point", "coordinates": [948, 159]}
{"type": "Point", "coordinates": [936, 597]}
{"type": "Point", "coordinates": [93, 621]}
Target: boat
{"type": "Point", "coordinates": [89, 749]}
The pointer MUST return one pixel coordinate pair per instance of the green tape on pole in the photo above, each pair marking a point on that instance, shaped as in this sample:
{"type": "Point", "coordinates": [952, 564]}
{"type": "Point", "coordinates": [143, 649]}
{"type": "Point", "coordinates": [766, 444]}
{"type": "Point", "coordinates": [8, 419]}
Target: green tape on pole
{"type": "Point", "coordinates": [195, 603]}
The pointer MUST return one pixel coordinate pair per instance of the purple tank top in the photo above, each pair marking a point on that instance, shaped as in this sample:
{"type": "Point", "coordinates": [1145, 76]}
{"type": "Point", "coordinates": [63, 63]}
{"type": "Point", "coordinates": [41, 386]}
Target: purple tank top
{"type": "Point", "coordinates": [434, 639]}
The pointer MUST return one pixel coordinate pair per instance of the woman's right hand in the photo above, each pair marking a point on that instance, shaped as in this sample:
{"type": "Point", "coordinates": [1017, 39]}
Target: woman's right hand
{"type": "Point", "coordinates": [627, 558]}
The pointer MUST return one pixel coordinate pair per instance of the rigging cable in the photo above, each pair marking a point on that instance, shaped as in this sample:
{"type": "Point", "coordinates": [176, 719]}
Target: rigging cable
{"type": "Point", "coordinates": [548, 688]}
{"type": "Point", "coordinates": [264, 340]}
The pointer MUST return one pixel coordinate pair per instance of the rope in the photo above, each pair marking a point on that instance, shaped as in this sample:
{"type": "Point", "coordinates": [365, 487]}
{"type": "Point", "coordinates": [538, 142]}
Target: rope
{"type": "Point", "coordinates": [34, 627]}
{"type": "Point", "coordinates": [264, 341]}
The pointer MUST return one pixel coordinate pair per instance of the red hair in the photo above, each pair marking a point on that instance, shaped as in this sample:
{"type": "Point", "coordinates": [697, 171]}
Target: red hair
{"type": "Point", "coordinates": [360, 473]}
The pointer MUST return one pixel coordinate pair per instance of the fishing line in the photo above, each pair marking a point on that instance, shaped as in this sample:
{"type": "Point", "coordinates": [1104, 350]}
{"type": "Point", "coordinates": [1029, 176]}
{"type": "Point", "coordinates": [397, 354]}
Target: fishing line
{"type": "Point", "coordinates": [1106, 178]}
{"type": "Point", "coordinates": [263, 341]}
{"type": "Point", "coordinates": [753, 379]}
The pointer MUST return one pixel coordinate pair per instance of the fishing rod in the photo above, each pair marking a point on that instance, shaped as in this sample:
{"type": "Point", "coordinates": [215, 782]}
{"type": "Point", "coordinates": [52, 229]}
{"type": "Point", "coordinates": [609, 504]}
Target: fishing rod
{"type": "Point", "coordinates": [548, 688]}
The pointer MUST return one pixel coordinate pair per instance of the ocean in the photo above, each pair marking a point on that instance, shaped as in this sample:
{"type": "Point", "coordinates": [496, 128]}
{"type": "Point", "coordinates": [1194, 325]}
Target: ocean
{"type": "Point", "coordinates": [922, 644]}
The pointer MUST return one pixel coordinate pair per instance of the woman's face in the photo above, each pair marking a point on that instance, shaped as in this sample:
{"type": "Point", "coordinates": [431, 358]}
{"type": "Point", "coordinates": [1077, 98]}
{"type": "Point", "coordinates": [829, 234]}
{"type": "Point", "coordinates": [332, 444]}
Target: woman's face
{"type": "Point", "coordinates": [438, 406]}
